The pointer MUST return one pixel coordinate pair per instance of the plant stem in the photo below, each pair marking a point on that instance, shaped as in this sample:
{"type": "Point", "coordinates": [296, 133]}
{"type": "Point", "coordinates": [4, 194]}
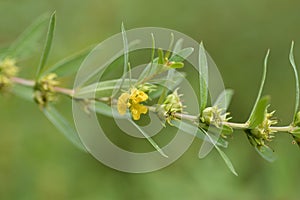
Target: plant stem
{"type": "Point", "coordinates": [193, 118]}
{"type": "Point", "coordinates": [31, 83]}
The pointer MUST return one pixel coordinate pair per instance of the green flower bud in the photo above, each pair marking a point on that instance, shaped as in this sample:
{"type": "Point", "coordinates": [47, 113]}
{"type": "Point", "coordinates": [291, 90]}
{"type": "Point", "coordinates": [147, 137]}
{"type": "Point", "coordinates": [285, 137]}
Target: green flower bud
{"type": "Point", "coordinates": [214, 116]}
{"type": "Point", "coordinates": [262, 133]}
{"type": "Point", "coordinates": [8, 69]}
{"type": "Point", "coordinates": [147, 87]}
{"type": "Point", "coordinates": [44, 90]}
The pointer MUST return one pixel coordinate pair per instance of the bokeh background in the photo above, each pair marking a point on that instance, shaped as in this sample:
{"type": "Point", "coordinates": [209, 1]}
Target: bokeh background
{"type": "Point", "coordinates": [37, 162]}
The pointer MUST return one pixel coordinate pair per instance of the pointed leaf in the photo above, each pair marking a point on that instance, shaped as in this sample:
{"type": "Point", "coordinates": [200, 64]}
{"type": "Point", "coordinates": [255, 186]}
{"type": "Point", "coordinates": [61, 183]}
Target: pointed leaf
{"type": "Point", "coordinates": [69, 65]}
{"type": "Point", "coordinates": [23, 92]}
{"type": "Point", "coordinates": [161, 59]}
{"type": "Point", "coordinates": [195, 131]}
{"type": "Point", "coordinates": [108, 111]}
{"type": "Point", "coordinates": [178, 46]}
{"type": "Point", "coordinates": [102, 89]}
{"type": "Point", "coordinates": [224, 99]}
{"type": "Point", "coordinates": [48, 44]}
{"type": "Point", "coordinates": [181, 55]}
{"type": "Point", "coordinates": [223, 155]}
{"type": "Point", "coordinates": [151, 141]}
{"type": "Point", "coordinates": [203, 77]}
{"type": "Point", "coordinates": [63, 125]}
{"type": "Point", "coordinates": [177, 65]}
{"type": "Point", "coordinates": [292, 61]}
{"type": "Point", "coordinates": [28, 41]}
{"type": "Point", "coordinates": [258, 114]}
{"type": "Point", "coordinates": [261, 85]}
{"type": "Point", "coordinates": [126, 56]}
{"type": "Point", "coordinates": [266, 152]}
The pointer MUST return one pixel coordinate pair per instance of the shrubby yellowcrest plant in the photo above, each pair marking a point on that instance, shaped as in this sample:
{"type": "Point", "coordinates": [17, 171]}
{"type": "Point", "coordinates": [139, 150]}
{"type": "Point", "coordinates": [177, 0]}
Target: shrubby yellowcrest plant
{"type": "Point", "coordinates": [133, 95]}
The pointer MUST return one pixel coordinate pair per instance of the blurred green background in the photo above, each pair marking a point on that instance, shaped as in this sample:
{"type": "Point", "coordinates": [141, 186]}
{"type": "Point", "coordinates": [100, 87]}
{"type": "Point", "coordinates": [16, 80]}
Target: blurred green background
{"type": "Point", "coordinates": [37, 162]}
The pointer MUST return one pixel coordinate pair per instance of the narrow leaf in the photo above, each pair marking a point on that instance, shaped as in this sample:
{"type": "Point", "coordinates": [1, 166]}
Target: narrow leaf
{"type": "Point", "coordinates": [126, 56]}
{"type": "Point", "coordinates": [181, 55]}
{"type": "Point", "coordinates": [178, 46]}
{"type": "Point", "coordinates": [227, 161]}
{"type": "Point", "coordinates": [223, 155]}
{"type": "Point", "coordinates": [48, 44]}
{"type": "Point", "coordinates": [102, 89]}
{"type": "Point", "coordinates": [292, 61]}
{"type": "Point", "coordinates": [108, 111]}
{"type": "Point", "coordinates": [224, 99]}
{"type": "Point", "coordinates": [160, 56]}
{"type": "Point", "coordinates": [177, 65]}
{"type": "Point", "coordinates": [261, 84]}
{"type": "Point", "coordinates": [63, 125]}
{"type": "Point", "coordinates": [266, 153]}
{"type": "Point", "coordinates": [23, 92]}
{"type": "Point", "coordinates": [151, 141]}
{"type": "Point", "coordinates": [195, 131]}
{"type": "Point", "coordinates": [170, 46]}
{"type": "Point", "coordinates": [222, 102]}
{"type": "Point", "coordinates": [259, 113]}
{"type": "Point", "coordinates": [28, 41]}
{"type": "Point", "coordinates": [203, 77]}
{"type": "Point", "coordinates": [69, 65]}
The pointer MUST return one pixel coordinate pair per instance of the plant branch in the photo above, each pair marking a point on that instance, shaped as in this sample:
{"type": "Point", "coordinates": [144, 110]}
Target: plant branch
{"type": "Point", "coordinates": [193, 118]}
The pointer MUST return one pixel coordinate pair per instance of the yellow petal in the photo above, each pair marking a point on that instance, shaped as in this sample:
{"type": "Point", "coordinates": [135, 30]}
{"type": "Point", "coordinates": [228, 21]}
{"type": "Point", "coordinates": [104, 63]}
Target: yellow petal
{"type": "Point", "coordinates": [137, 110]}
{"type": "Point", "coordinates": [138, 96]}
{"type": "Point", "coordinates": [123, 103]}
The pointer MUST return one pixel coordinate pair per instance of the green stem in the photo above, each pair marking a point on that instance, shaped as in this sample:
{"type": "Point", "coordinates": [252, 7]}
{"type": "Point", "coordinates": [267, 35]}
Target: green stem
{"type": "Point", "coordinates": [193, 118]}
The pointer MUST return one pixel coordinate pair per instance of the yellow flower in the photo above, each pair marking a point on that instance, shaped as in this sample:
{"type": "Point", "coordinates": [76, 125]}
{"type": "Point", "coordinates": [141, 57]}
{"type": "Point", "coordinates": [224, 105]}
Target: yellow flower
{"type": "Point", "coordinates": [122, 103]}
{"type": "Point", "coordinates": [132, 101]}
{"type": "Point", "coordinates": [137, 110]}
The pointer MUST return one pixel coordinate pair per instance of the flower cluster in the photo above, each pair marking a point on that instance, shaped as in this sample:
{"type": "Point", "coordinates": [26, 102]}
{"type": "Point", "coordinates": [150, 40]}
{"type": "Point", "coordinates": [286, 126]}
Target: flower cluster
{"type": "Point", "coordinates": [214, 116]}
{"type": "Point", "coordinates": [133, 101]}
{"type": "Point", "coordinates": [262, 133]}
{"type": "Point", "coordinates": [172, 105]}
{"type": "Point", "coordinates": [8, 69]}
{"type": "Point", "coordinates": [44, 89]}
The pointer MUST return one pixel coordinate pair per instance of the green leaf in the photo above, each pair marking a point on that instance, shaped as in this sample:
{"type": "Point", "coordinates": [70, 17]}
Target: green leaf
{"type": "Point", "coordinates": [63, 125]}
{"type": "Point", "coordinates": [178, 46]}
{"type": "Point", "coordinates": [203, 77]}
{"type": "Point", "coordinates": [259, 113]}
{"type": "Point", "coordinates": [48, 44]}
{"type": "Point", "coordinates": [106, 110]}
{"type": "Point", "coordinates": [227, 161]}
{"type": "Point", "coordinates": [292, 61]}
{"type": "Point", "coordinates": [28, 41]}
{"type": "Point", "coordinates": [224, 99]}
{"type": "Point", "coordinates": [266, 152]}
{"type": "Point", "coordinates": [222, 102]}
{"type": "Point", "coordinates": [161, 59]}
{"type": "Point", "coordinates": [177, 65]}
{"type": "Point", "coordinates": [69, 65]}
{"type": "Point", "coordinates": [223, 155]}
{"type": "Point", "coordinates": [261, 86]}
{"type": "Point", "coordinates": [101, 89]}
{"type": "Point", "coordinates": [23, 92]}
{"type": "Point", "coordinates": [126, 56]}
{"type": "Point", "coordinates": [195, 131]}
{"type": "Point", "coordinates": [181, 55]}
{"type": "Point", "coordinates": [263, 150]}
{"type": "Point", "coordinates": [151, 141]}
{"type": "Point", "coordinates": [170, 46]}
